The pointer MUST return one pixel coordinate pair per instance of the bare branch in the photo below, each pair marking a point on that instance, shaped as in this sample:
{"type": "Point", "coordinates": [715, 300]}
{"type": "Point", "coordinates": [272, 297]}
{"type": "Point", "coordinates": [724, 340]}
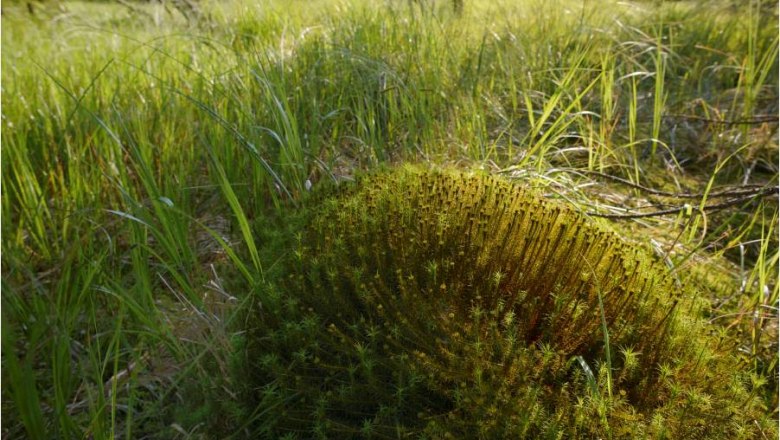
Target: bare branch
{"type": "Point", "coordinates": [766, 192]}
{"type": "Point", "coordinates": [743, 190]}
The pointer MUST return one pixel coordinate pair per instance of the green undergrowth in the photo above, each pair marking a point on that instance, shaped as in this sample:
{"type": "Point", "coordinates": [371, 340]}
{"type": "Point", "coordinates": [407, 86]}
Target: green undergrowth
{"type": "Point", "coordinates": [147, 157]}
{"type": "Point", "coordinates": [440, 304]}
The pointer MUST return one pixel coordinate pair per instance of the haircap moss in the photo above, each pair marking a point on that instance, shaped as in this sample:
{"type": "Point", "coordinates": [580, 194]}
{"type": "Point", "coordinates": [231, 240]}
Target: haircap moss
{"type": "Point", "coordinates": [441, 304]}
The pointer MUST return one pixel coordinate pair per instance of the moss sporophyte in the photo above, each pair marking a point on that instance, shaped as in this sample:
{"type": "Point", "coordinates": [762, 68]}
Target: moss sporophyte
{"type": "Point", "coordinates": [438, 304]}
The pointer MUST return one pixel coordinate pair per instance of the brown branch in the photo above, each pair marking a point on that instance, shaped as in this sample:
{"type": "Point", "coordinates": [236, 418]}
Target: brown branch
{"type": "Point", "coordinates": [638, 215]}
{"type": "Point", "coordinates": [744, 190]}
{"type": "Point", "coordinates": [712, 207]}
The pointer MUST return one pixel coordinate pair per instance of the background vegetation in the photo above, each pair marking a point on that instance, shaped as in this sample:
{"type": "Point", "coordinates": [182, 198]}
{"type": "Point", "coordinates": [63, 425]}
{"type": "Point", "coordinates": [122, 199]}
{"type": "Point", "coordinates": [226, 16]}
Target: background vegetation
{"type": "Point", "coordinates": [146, 150]}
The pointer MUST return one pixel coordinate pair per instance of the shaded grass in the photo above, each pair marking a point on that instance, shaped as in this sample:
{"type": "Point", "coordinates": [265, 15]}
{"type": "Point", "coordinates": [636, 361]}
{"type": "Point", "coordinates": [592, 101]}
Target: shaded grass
{"type": "Point", "coordinates": [129, 145]}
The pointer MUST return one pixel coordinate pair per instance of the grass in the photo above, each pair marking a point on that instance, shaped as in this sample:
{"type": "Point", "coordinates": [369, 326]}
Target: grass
{"type": "Point", "coordinates": [143, 152]}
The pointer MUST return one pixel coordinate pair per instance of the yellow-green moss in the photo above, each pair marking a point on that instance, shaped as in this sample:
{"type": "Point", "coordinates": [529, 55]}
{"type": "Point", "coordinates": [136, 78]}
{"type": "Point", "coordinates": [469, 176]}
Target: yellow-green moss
{"type": "Point", "coordinates": [439, 304]}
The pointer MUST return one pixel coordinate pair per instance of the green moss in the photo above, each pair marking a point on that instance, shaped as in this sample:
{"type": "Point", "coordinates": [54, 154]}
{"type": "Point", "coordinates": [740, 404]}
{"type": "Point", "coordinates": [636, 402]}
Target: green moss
{"type": "Point", "coordinates": [438, 304]}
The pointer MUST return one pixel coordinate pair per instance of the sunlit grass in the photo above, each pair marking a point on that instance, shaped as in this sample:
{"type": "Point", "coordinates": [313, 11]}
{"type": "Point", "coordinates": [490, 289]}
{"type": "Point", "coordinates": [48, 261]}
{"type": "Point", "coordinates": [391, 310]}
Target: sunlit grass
{"type": "Point", "coordinates": [142, 153]}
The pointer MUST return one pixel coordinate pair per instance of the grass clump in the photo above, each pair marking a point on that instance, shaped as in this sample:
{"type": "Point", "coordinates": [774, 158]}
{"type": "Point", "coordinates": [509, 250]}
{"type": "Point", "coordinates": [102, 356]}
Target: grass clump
{"type": "Point", "coordinates": [439, 304]}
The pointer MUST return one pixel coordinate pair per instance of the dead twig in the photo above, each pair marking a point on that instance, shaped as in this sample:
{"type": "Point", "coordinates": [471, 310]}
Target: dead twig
{"type": "Point", "coordinates": [765, 192]}
{"type": "Point", "coordinates": [737, 191]}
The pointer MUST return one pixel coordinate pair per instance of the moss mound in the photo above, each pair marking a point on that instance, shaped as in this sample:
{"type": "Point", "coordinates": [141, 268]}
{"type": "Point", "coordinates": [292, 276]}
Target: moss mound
{"type": "Point", "coordinates": [445, 305]}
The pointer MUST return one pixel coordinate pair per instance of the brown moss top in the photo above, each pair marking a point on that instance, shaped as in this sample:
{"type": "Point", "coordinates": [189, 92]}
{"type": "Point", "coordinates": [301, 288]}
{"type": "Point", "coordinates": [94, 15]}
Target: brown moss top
{"type": "Point", "coordinates": [439, 302]}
